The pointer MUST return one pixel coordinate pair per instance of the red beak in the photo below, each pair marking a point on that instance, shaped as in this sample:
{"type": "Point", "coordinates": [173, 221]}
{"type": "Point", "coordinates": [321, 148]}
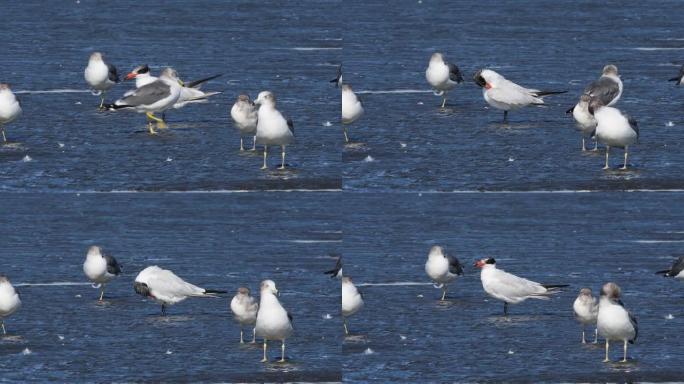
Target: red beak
{"type": "Point", "coordinates": [488, 86]}
{"type": "Point", "coordinates": [131, 76]}
{"type": "Point", "coordinates": [479, 264]}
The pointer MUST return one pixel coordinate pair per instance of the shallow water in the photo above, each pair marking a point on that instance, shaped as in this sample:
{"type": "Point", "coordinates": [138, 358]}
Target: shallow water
{"type": "Point", "coordinates": [583, 240]}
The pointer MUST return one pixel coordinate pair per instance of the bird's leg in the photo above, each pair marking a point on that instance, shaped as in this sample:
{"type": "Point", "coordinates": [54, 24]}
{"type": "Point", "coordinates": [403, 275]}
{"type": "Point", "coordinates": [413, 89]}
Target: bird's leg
{"type": "Point", "coordinates": [344, 322]}
{"type": "Point", "coordinates": [624, 165]}
{"type": "Point", "coordinates": [2, 129]}
{"type": "Point", "coordinates": [150, 117]}
{"type": "Point", "coordinates": [282, 161]}
{"type": "Point", "coordinates": [254, 143]}
{"type": "Point", "coordinates": [584, 341]}
{"type": "Point", "coordinates": [346, 137]}
{"type": "Point", "coordinates": [102, 292]}
{"type": "Point", "coordinates": [624, 355]}
{"type": "Point", "coordinates": [505, 120]}
{"type": "Point", "coordinates": [607, 152]}
{"type": "Point", "coordinates": [596, 336]}
{"type": "Point", "coordinates": [606, 360]}
{"type": "Point", "coordinates": [444, 100]}
{"type": "Point", "coordinates": [241, 340]}
{"type": "Point", "coordinates": [584, 148]}
{"type": "Point", "coordinates": [595, 145]}
{"type": "Point", "coordinates": [282, 352]}
{"type": "Point", "coordinates": [241, 147]}
{"type": "Point", "coordinates": [163, 310]}
{"type": "Point", "coordinates": [102, 97]}
{"type": "Point", "coordinates": [505, 308]}
{"type": "Point", "coordinates": [444, 289]}
{"type": "Point", "coordinates": [2, 322]}
{"type": "Point", "coordinates": [265, 154]}
{"type": "Point", "coordinates": [265, 359]}
{"type": "Point", "coordinates": [253, 335]}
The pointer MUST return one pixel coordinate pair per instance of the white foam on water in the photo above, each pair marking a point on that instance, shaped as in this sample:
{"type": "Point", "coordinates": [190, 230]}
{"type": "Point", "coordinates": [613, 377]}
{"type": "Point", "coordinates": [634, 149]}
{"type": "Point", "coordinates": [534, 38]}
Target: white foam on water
{"type": "Point", "coordinates": [368, 351]}
{"type": "Point", "coordinates": [26, 351]}
{"type": "Point", "coordinates": [369, 159]}
{"type": "Point", "coordinates": [327, 124]}
{"type": "Point", "coordinates": [27, 159]}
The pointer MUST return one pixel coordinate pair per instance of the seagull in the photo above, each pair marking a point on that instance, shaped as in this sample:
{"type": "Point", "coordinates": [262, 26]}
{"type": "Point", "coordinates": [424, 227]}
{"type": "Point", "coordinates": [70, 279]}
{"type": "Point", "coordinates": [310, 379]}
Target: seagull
{"type": "Point", "coordinates": [586, 123]}
{"type": "Point", "coordinates": [510, 288]}
{"type": "Point", "coordinates": [166, 288]}
{"type": "Point", "coordinates": [352, 108]}
{"type": "Point", "coordinates": [244, 114]}
{"type": "Point", "coordinates": [614, 321]}
{"type": "Point", "coordinates": [352, 300]}
{"type": "Point", "coordinates": [272, 127]}
{"type": "Point", "coordinates": [273, 322]}
{"type": "Point", "coordinates": [100, 268]}
{"type": "Point", "coordinates": [156, 96]}
{"type": "Point", "coordinates": [442, 75]}
{"type": "Point", "coordinates": [244, 308]}
{"type": "Point", "coordinates": [608, 88]}
{"type": "Point", "coordinates": [676, 271]}
{"type": "Point", "coordinates": [679, 80]}
{"type": "Point", "coordinates": [9, 108]}
{"type": "Point", "coordinates": [442, 268]}
{"type": "Point", "coordinates": [613, 128]}
{"type": "Point", "coordinates": [100, 75]}
{"type": "Point", "coordinates": [338, 78]}
{"type": "Point", "coordinates": [506, 95]}
{"type": "Point", "coordinates": [9, 301]}
{"type": "Point", "coordinates": [337, 271]}
{"type": "Point", "coordinates": [586, 311]}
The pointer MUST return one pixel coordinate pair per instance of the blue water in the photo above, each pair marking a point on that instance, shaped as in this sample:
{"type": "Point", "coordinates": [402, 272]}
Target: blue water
{"type": "Point", "coordinates": [63, 174]}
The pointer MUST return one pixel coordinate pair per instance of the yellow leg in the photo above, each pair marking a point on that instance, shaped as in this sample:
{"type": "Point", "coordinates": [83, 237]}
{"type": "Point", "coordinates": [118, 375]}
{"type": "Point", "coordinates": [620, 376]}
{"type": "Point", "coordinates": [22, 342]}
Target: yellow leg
{"type": "Point", "coordinates": [606, 360]}
{"type": "Point", "coordinates": [282, 160]}
{"type": "Point", "coordinates": [265, 359]}
{"type": "Point", "coordinates": [160, 122]}
{"type": "Point", "coordinates": [265, 155]}
{"type": "Point", "coordinates": [282, 352]}
{"type": "Point", "coordinates": [607, 152]}
{"type": "Point", "coordinates": [150, 127]}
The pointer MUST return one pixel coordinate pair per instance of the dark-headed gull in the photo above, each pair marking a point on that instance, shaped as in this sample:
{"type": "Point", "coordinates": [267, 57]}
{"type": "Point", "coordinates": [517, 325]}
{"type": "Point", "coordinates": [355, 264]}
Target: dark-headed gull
{"type": "Point", "coordinates": [442, 75]}
{"type": "Point", "coordinates": [244, 114]}
{"type": "Point", "coordinates": [272, 127]}
{"type": "Point", "coordinates": [614, 322]}
{"type": "Point", "coordinates": [613, 128]}
{"type": "Point", "coordinates": [273, 322]}
{"type": "Point", "coordinates": [10, 108]}
{"type": "Point", "coordinates": [506, 95]}
{"type": "Point", "coordinates": [9, 300]}
{"type": "Point", "coordinates": [352, 108]}
{"type": "Point", "coordinates": [676, 270]}
{"type": "Point", "coordinates": [100, 268]}
{"type": "Point", "coordinates": [100, 75]}
{"type": "Point", "coordinates": [245, 308]}
{"type": "Point", "coordinates": [166, 288]}
{"type": "Point", "coordinates": [510, 288]}
{"type": "Point", "coordinates": [352, 300]}
{"type": "Point", "coordinates": [586, 311]}
{"type": "Point", "coordinates": [442, 268]}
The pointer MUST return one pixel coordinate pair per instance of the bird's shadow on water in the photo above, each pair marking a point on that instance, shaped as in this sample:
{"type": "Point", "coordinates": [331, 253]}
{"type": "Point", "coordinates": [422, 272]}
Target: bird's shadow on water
{"type": "Point", "coordinates": [514, 320]}
{"type": "Point", "coordinates": [250, 153]}
{"type": "Point", "coordinates": [631, 365]}
{"type": "Point", "coordinates": [282, 367]}
{"type": "Point", "coordinates": [355, 339]}
{"type": "Point", "coordinates": [356, 146]}
{"type": "Point", "coordinates": [12, 146]}
{"type": "Point", "coordinates": [10, 339]}
{"type": "Point", "coordinates": [166, 320]}
{"type": "Point", "coordinates": [281, 174]}
{"type": "Point", "coordinates": [622, 174]}
{"type": "Point", "coordinates": [449, 303]}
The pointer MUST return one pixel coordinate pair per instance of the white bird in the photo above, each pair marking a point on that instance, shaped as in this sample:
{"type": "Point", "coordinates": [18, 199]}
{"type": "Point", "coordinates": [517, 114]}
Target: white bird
{"type": "Point", "coordinates": [679, 80]}
{"type": "Point", "coordinates": [272, 127]}
{"type": "Point", "coordinates": [614, 129]}
{"type": "Point", "coordinates": [442, 268]}
{"type": "Point", "coordinates": [245, 308]}
{"type": "Point", "coordinates": [352, 300]}
{"type": "Point", "coordinates": [506, 95]}
{"type": "Point", "coordinates": [10, 108]}
{"type": "Point", "coordinates": [244, 113]}
{"type": "Point", "coordinates": [100, 75]}
{"type": "Point", "coordinates": [273, 322]}
{"type": "Point", "coordinates": [586, 311]}
{"type": "Point", "coordinates": [166, 288]}
{"type": "Point", "coordinates": [586, 123]}
{"type": "Point", "coordinates": [157, 96]}
{"type": "Point", "coordinates": [510, 288]}
{"type": "Point", "coordinates": [442, 75]}
{"type": "Point", "coordinates": [9, 300]}
{"type": "Point", "coordinates": [336, 273]}
{"type": "Point", "coordinates": [100, 268]}
{"type": "Point", "coordinates": [676, 270]}
{"type": "Point", "coordinates": [608, 88]}
{"type": "Point", "coordinates": [352, 108]}
{"type": "Point", "coordinates": [614, 321]}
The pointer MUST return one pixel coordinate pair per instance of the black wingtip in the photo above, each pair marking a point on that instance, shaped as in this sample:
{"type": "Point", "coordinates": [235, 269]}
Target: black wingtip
{"type": "Point", "coordinates": [674, 79]}
{"type": "Point", "coordinates": [214, 291]}
{"type": "Point", "coordinates": [569, 111]}
{"type": "Point", "coordinates": [547, 286]}
{"type": "Point", "coordinates": [546, 93]}
{"type": "Point", "coordinates": [665, 272]}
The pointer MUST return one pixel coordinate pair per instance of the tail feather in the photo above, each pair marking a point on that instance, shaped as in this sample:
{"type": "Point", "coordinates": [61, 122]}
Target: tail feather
{"type": "Point", "coordinates": [193, 84]}
{"type": "Point", "coordinates": [546, 93]}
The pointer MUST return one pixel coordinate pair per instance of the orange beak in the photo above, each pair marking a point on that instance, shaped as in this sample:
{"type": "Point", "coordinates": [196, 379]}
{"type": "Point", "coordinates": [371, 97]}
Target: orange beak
{"type": "Point", "coordinates": [131, 76]}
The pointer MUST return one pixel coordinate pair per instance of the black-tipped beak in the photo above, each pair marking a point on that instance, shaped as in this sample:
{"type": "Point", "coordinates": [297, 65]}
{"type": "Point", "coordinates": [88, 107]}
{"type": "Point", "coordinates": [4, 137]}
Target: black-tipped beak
{"type": "Point", "coordinates": [141, 289]}
{"type": "Point", "coordinates": [479, 80]}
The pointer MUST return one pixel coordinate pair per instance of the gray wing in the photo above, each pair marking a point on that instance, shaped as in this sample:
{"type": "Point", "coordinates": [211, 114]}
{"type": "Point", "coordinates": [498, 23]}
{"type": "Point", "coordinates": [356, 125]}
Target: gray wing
{"type": "Point", "coordinates": [677, 267]}
{"type": "Point", "coordinates": [146, 95]}
{"type": "Point", "coordinates": [113, 266]}
{"type": "Point", "coordinates": [604, 89]}
{"type": "Point", "coordinates": [455, 266]}
{"type": "Point", "coordinates": [113, 76]}
{"type": "Point", "coordinates": [455, 73]}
